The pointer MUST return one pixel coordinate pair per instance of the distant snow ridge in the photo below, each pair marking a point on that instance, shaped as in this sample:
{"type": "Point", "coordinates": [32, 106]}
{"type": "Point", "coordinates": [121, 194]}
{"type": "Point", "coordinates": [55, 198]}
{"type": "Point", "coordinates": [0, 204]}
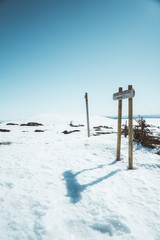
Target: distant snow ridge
{"type": "Point", "coordinates": [137, 116]}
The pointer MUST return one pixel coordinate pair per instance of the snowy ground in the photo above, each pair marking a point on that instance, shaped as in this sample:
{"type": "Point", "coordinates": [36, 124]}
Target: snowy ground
{"type": "Point", "coordinates": [69, 187]}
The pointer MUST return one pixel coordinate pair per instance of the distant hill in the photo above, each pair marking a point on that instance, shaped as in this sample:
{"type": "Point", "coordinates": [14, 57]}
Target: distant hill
{"type": "Point", "coordinates": [136, 116]}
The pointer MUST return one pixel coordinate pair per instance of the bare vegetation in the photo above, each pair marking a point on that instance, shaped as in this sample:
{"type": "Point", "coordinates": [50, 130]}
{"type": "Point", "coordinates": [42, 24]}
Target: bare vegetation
{"type": "Point", "coordinates": [143, 134]}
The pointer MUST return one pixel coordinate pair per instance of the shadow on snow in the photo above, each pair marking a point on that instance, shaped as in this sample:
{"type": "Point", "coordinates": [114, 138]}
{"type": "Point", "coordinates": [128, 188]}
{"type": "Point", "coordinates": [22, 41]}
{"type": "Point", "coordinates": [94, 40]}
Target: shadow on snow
{"type": "Point", "coordinates": [74, 189]}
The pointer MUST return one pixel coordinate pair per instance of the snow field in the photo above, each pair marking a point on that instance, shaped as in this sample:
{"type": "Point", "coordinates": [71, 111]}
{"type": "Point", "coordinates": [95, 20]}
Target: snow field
{"type": "Point", "coordinates": [69, 187]}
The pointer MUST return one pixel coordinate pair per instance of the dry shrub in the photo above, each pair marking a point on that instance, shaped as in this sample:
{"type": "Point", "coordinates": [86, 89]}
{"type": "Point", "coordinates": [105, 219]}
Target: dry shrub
{"type": "Point", "coordinates": [143, 135]}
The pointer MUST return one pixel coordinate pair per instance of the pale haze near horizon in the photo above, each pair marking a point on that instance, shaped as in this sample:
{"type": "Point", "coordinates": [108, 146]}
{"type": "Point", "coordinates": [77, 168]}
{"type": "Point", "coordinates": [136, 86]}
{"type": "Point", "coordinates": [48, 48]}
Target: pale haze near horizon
{"type": "Point", "coordinates": [52, 52]}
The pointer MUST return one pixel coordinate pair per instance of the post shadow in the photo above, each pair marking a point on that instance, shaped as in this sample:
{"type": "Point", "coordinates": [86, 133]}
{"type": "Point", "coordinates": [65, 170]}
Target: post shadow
{"type": "Point", "coordinates": [74, 189]}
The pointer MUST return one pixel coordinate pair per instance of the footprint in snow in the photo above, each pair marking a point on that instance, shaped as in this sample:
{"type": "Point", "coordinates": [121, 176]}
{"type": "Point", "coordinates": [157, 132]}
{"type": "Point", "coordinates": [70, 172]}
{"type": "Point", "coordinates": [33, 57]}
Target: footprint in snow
{"type": "Point", "coordinates": [111, 227]}
{"type": "Point", "coordinates": [86, 145]}
{"type": "Point", "coordinates": [9, 185]}
{"type": "Point", "coordinates": [13, 226]}
{"type": "Point", "coordinates": [39, 230]}
{"type": "Point", "coordinates": [39, 211]}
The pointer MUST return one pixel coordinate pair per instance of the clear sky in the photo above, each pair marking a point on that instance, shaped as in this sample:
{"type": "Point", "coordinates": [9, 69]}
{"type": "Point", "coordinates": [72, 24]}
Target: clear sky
{"type": "Point", "coordinates": [53, 51]}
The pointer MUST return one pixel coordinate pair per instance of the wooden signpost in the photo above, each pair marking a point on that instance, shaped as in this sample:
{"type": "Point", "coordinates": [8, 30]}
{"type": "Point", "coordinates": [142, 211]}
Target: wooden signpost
{"type": "Point", "coordinates": [119, 125]}
{"type": "Point", "coordinates": [130, 93]}
{"type": "Point", "coordinates": [87, 113]}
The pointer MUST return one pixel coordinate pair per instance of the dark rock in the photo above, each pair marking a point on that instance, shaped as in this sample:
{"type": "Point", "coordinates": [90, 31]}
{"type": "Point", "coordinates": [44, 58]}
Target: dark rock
{"type": "Point", "coordinates": [68, 132]}
{"type": "Point", "coordinates": [98, 128]}
{"type": "Point", "coordinates": [4, 130]}
{"type": "Point", "coordinates": [32, 124]}
{"type": "Point", "coordinates": [39, 130]}
{"type": "Point", "coordinates": [10, 124]}
{"type": "Point", "coordinates": [101, 133]}
{"type": "Point", "coordinates": [72, 125]}
{"type": "Point", "coordinates": [5, 143]}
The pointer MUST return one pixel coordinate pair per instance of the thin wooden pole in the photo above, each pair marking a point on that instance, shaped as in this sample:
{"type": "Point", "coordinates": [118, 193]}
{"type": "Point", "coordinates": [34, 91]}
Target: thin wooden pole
{"type": "Point", "coordinates": [119, 127]}
{"type": "Point", "coordinates": [130, 131]}
{"type": "Point", "coordinates": [87, 113]}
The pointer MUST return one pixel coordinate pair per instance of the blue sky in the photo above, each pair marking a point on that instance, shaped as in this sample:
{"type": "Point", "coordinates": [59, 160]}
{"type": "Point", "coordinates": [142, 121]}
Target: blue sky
{"type": "Point", "coordinates": [53, 51]}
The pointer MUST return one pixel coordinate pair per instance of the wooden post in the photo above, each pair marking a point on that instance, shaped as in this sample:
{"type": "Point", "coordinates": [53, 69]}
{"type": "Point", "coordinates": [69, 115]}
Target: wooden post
{"type": "Point", "coordinates": [87, 113]}
{"type": "Point", "coordinates": [130, 131]}
{"type": "Point", "coordinates": [119, 127]}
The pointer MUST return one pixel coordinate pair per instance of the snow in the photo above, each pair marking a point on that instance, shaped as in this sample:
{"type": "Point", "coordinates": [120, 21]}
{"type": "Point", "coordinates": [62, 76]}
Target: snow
{"type": "Point", "coordinates": [70, 187]}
